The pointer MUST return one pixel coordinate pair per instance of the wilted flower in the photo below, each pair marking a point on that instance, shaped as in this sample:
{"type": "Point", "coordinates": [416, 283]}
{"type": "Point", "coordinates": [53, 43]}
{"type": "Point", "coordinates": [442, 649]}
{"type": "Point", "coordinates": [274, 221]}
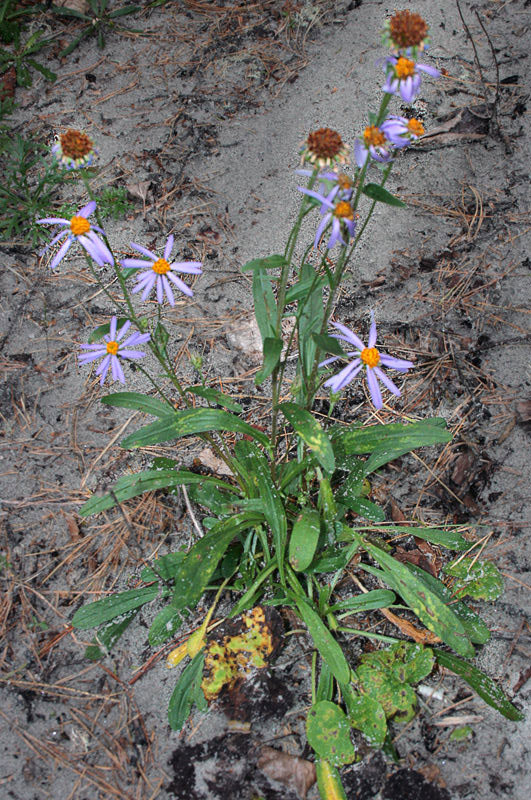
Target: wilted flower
{"type": "Point", "coordinates": [403, 77]}
{"type": "Point", "coordinates": [368, 356]}
{"type": "Point", "coordinates": [374, 144]}
{"type": "Point", "coordinates": [78, 228]}
{"type": "Point", "coordinates": [401, 131]}
{"type": "Point", "coordinates": [74, 150]}
{"type": "Point", "coordinates": [338, 212]}
{"type": "Point", "coordinates": [324, 147]}
{"type": "Point", "coordinates": [160, 271]}
{"type": "Point", "coordinates": [113, 350]}
{"type": "Point", "coordinates": [406, 30]}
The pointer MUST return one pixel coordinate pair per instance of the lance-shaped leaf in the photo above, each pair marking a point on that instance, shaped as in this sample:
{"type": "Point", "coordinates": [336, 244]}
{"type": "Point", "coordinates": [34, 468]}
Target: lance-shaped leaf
{"type": "Point", "coordinates": [140, 402]}
{"type": "Point", "coordinates": [108, 635]}
{"type": "Point", "coordinates": [428, 607]}
{"type": "Point", "coordinates": [166, 623]}
{"type": "Point", "coordinates": [185, 692]}
{"type": "Point", "coordinates": [381, 195]}
{"type": "Point", "coordinates": [309, 320]}
{"type": "Point", "coordinates": [329, 781]}
{"type": "Point", "coordinates": [133, 485]}
{"type": "Point", "coordinates": [311, 433]}
{"type": "Point", "coordinates": [270, 262]}
{"type": "Point", "coordinates": [272, 350]}
{"type": "Point", "coordinates": [366, 509]}
{"type": "Point", "coordinates": [304, 538]}
{"type": "Point", "coordinates": [265, 307]}
{"type": "Point", "coordinates": [191, 421]}
{"type": "Point", "coordinates": [215, 396]}
{"type": "Point", "coordinates": [329, 649]}
{"type": "Point", "coordinates": [328, 344]}
{"type": "Point", "coordinates": [481, 683]}
{"type": "Point", "coordinates": [301, 289]}
{"type": "Point", "coordinates": [108, 608]}
{"type": "Point", "coordinates": [377, 598]}
{"type": "Point", "coordinates": [197, 568]}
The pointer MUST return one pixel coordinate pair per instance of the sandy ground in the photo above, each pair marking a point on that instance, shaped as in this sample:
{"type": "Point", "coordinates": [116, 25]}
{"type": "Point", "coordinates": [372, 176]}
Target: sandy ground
{"type": "Point", "coordinates": [204, 115]}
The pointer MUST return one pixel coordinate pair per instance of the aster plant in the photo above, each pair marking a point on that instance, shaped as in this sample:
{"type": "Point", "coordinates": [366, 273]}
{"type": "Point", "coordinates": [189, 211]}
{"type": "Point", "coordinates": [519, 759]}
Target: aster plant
{"type": "Point", "coordinates": [284, 527]}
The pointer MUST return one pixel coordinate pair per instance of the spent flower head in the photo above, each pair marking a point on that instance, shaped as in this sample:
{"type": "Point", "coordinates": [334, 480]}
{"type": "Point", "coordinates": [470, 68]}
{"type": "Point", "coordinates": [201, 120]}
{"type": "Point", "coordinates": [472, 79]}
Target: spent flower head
{"type": "Point", "coordinates": [402, 131]}
{"type": "Point", "coordinates": [374, 144]}
{"type": "Point", "coordinates": [369, 357]}
{"type": "Point", "coordinates": [113, 350]}
{"type": "Point", "coordinates": [74, 150]}
{"type": "Point", "coordinates": [324, 147]}
{"type": "Point", "coordinates": [403, 77]}
{"type": "Point", "coordinates": [406, 31]}
{"type": "Point", "coordinates": [160, 272]}
{"type": "Point", "coordinates": [78, 228]}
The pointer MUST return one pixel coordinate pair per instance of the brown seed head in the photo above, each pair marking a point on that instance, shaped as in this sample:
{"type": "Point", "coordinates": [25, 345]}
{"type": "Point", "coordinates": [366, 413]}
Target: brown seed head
{"type": "Point", "coordinates": [407, 29]}
{"type": "Point", "coordinates": [75, 144]}
{"type": "Point", "coordinates": [325, 143]}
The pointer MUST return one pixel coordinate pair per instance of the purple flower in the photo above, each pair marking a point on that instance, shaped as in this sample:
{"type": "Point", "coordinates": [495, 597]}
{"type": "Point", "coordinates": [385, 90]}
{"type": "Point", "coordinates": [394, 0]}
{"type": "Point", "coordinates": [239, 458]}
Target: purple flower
{"type": "Point", "coordinates": [160, 271]}
{"type": "Point", "coordinates": [403, 77]}
{"type": "Point", "coordinates": [369, 356]}
{"type": "Point", "coordinates": [112, 349]}
{"type": "Point", "coordinates": [401, 131]}
{"type": "Point", "coordinates": [374, 144]}
{"type": "Point", "coordinates": [78, 228]}
{"type": "Point", "coordinates": [335, 211]}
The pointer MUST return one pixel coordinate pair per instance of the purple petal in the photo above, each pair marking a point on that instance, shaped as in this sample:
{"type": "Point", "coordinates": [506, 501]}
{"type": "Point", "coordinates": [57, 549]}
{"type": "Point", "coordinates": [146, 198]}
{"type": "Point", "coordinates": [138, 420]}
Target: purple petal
{"type": "Point", "coordinates": [169, 246]}
{"type": "Point", "coordinates": [86, 358]}
{"type": "Point", "coordinates": [179, 283]}
{"type": "Point", "coordinates": [117, 371]}
{"type": "Point", "coordinates": [344, 377]}
{"type": "Point", "coordinates": [123, 330]}
{"type": "Point", "coordinates": [349, 335]}
{"type": "Point", "coordinates": [53, 221]}
{"type": "Point", "coordinates": [136, 338]}
{"type": "Point", "coordinates": [372, 333]}
{"type": "Point", "coordinates": [187, 267]}
{"type": "Point", "coordinates": [387, 381]}
{"type": "Point", "coordinates": [167, 289]}
{"type": "Point", "coordinates": [112, 329]}
{"type": "Point", "coordinates": [360, 153]}
{"type": "Point", "coordinates": [87, 210]}
{"type": "Point", "coordinates": [329, 361]}
{"type": "Point", "coordinates": [322, 199]}
{"type": "Point", "coordinates": [321, 229]}
{"type": "Point", "coordinates": [134, 263]}
{"type": "Point", "coordinates": [429, 70]}
{"type": "Point", "coordinates": [91, 249]}
{"type": "Point", "coordinates": [374, 389]}
{"type": "Point", "coordinates": [61, 253]}
{"type": "Point", "coordinates": [102, 248]}
{"type": "Point", "coordinates": [396, 363]}
{"type": "Point", "coordinates": [103, 368]}
{"type": "Point", "coordinates": [131, 354]}
{"type": "Point", "coordinates": [144, 251]}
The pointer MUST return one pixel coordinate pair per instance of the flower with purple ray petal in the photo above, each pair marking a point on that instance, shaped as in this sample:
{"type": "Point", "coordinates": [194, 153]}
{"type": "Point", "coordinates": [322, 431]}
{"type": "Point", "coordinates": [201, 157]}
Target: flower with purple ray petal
{"type": "Point", "coordinates": [113, 350]}
{"type": "Point", "coordinates": [159, 271]}
{"type": "Point", "coordinates": [80, 229]}
{"type": "Point", "coordinates": [335, 211]}
{"type": "Point", "coordinates": [368, 356]}
{"type": "Point", "coordinates": [403, 77]}
{"type": "Point", "coordinates": [401, 131]}
{"type": "Point", "coordinates": [374, 144]}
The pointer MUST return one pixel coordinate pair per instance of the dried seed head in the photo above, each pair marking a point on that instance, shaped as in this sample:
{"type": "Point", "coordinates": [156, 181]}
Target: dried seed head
{"type": "Point", "coordinates": [325, 147]}
{"type": "Point", "coordinates": [76, 145]}
{"type": "Point", "coordinates": [407, 29]}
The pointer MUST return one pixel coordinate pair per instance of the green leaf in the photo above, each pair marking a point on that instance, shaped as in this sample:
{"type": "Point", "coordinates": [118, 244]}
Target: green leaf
{"type": "Point", "coordinates": [366, 509]}
{"type": "Point", "coordinates": [161, 337]}
{"type": "Point", "coordinates": [166, 623]}
{"type": "Point", "coordinates": [367, 715]}
{"type": "Point", "coordinates": [302, 288]}
{"type": "Point", "coordinates": [332, 559]}
{"type": "Point", "coordinates": [108, 635]}
{"type": "Point", "coordinates": [191, 421]}
{"type": "Point", "coordinates": [133, 485]}
{"type": "Point", "coordinates": [476, 630]}
{"type": "Point", "coordinates": [377, 192]}
{"type": "Point", "coordinates": [329, 649]}
{"type": "Point", "coordinates": [140, 402]}
{"type": "Point", "coordinates": [48, 74]}
{"type": "Point", "coordinates": [215, 396]}
{"type": "Point", "coordinates": [183, 695]}
{"type": "Point", "coordinates": [103, 330]}
{"type": "Point", "coordinates": [197, 568]}
{"type": "Point", "coordinates": [265, 307]}
{"type": "Point", "coordinates": [311, 433]}
{"type": "Point", "coordinates": [309, 321]}
{"type": "Point", "coordinates": [451, 539]}
{"type": "Point", "coordinates": [352, 487]}
{"type": "Point", "coordinates": [478, 579]}
{"type": "Point", "coordinates": [329, 781]}
{"type": "Point", "coordinates": [377, 598]}
{"type": "Point", "coordinates": [271, 262]}
{"type": "Point", "coordinates": [328, 344]}
{"type": "Point", "coordinates": [164, 568]}
{"type": "Point", "coordinates": [481, 683]}
{"type": "Point", "coordinates": [108, 608]}
{"type": "Point", "coordinates": [428, 607]}
{"type": "Point", "coordinates": [328, 732]}
{"type": "Point", "coordinates": [304, 539]}
{"type": "Point", "coordinates": [272, 350]}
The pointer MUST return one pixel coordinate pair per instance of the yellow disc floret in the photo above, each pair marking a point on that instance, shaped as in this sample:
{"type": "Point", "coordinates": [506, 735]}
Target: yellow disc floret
{"type": "Point", "coordinates": [370, 356]}
{"type": "Point", "coordinates": [161, 266]}
{"type": "Point", "coordinates": [112, 348]}
{"type": "Point", "coordinates": [79, 226]}
{"type": "Point", "coordinates": [404, 68]}
{"type": "Point", "coordinates": [344, 210]}
{"type": "Point", "coordinates": [415, 127]}
{"type": "Point", "coordinates": [372, 135]}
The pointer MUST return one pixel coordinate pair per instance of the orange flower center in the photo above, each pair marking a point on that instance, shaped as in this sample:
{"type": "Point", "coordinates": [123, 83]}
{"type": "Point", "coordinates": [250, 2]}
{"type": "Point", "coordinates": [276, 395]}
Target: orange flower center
{"type": "Point", "coordinates": [373, 136]}
{"type": "Point", "coordinates": [161, 266]}
{"type": "Point", "coordinates": [404, 68]}
{"type": "Point", "coordinates": [325, 143]}
{"type": "Point", "coordinates": [75, 144]}
{"type": "Point", "coordinates": [370, 356]}
{"type": "Point", "coordinates": [415, 127]}
{"type": "Point", "coordinates": [79, 226]}
{"type": "Point", "coordinates": [112, 348]}
{"type": "Point", "coordinates": [344, 181]}
{"type": "Point", "coordinates": [407, 29]}
{"type": "Point", "coordinates": [344, 210]}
